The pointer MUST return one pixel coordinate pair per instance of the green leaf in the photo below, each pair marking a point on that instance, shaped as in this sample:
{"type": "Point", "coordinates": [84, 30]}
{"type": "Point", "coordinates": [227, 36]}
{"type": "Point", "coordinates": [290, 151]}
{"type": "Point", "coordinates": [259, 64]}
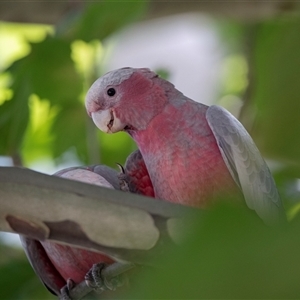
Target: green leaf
{"type": "Point", "coordinates": [277, 89]}
{"type": "Point", "coordinates": [114, 148]}
{"type": "Point", "coordinates": [14, 115]}
{"type": "Point", "coordinates": [69, 131]}
{"type": "Point", "coordinates": [228, 254]}
{"type": "Point", "coordinates": [38, 138]}
{"type": "Point", "coordinates": [47, 71]}
{"type": "Point", "coordinates": [18, 280]}
{"type": "Point", "coordinates": [100, 19]}
{"type": "Point", "coordinates": [53, 75]}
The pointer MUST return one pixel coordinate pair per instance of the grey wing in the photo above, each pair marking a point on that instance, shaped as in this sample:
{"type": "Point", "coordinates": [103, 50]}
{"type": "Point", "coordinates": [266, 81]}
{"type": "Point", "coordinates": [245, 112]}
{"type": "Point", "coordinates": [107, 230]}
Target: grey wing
{"type": "Point", "coordinates": [108, 174]}
{"type": "Point", "coordinates": [246, 165]}
{"type": "Point", "coordinates": [111, 175]}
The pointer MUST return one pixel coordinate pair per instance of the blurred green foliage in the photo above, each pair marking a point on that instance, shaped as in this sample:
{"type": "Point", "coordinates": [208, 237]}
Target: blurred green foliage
{"type": "Point", "coordinates": [229, 253]}
{"type": "Point", "coordinates": [42, 114]}
{"type": "Point", "coordinates": [49, 72]}
{"type": "Point", "coordinates": [17, 278]}
{"type": "Point", "coordinates": [277, 89]}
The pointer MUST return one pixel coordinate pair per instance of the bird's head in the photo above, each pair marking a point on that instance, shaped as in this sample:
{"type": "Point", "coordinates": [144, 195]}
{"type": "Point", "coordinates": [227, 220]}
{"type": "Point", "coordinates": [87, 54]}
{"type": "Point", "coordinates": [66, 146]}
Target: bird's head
{"type": "Point", "coordinates": [126, 99]}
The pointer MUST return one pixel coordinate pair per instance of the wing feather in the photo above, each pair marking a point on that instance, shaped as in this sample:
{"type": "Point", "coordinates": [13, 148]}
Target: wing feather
{"type": "Point", "coordinates": [246, 165]}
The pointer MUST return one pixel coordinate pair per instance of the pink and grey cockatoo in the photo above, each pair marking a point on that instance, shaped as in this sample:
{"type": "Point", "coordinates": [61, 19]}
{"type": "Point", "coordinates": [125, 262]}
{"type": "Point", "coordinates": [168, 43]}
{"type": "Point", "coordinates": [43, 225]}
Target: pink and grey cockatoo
{"type": "Point", "coordinates": [55, 263]}
{"type": "Point", "coordinates": [192, 152]}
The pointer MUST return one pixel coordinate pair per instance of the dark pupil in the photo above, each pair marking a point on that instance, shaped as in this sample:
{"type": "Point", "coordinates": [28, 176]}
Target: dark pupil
{"type": "Point", "coordinates": [111, 92]}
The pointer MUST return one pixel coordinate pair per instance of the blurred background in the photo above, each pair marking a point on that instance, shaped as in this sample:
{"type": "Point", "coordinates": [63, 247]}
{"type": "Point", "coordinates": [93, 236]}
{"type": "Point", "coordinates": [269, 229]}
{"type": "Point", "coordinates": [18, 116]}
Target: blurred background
{"type": "Point", "coordinates": [244, 56]}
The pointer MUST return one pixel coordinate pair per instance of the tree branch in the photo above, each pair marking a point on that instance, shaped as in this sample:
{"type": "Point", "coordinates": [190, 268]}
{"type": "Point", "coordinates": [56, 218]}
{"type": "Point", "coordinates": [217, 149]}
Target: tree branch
{"type": "Point", "coordinates": [111, 271]}
{"type": "Point", "coordinates": [43, 12]}
{"type": "Point", "coordinates": [133, 228]}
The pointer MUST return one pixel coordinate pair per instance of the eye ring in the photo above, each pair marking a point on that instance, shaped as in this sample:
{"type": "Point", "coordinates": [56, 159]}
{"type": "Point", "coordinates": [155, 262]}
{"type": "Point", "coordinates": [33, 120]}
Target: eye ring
{"type": "Point", "coordinates": [111, 92]}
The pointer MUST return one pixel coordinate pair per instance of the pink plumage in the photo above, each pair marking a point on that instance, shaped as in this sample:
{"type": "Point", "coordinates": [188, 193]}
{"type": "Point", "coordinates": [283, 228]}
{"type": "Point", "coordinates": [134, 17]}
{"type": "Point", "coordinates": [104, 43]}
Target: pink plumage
{"type": "Point", "coordinates": [192, 152]}
{"type": "Point", "coordinates": [189, 153]}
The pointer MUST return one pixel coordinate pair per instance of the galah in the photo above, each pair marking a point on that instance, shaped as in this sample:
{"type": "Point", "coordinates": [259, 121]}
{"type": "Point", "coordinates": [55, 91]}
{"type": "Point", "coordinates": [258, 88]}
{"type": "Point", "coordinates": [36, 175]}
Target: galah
{"type": "Point", "coordinates": [55, 263]}
{"type": "Point", "coordinates": [193, 153]}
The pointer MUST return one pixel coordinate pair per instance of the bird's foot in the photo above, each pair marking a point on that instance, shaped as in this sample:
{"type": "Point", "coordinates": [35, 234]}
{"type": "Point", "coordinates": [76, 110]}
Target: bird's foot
{"type": "Point", "coordinates": [99, 281]}
{"type": "Point", "coordinates": [65, 290]}
{"type": "Point", "coordinates": [123, 180]}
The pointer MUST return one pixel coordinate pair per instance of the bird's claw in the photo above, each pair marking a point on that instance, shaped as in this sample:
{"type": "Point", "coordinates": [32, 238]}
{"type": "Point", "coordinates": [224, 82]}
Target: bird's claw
{"type": "Point", "coordinates": [65, 290]}
{"type": "Point", "coordinates": [99, 283]}
{"type": "Point", "coordinates": [123, 180]}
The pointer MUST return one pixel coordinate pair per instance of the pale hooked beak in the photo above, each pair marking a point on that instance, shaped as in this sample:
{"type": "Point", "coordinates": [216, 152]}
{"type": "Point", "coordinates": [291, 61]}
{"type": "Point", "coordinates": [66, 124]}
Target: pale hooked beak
{"type": "Point", "coordinates": [107, 121]}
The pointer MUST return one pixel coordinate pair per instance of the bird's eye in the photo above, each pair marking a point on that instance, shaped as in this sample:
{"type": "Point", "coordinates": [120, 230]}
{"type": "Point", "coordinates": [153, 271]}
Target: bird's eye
{"type": "Point", "coordinates": [111, 92]}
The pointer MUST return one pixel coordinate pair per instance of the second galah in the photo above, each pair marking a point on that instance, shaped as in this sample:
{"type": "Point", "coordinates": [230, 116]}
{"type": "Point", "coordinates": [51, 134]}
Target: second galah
{"type": "Point", "coordinates": [193, 153]}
